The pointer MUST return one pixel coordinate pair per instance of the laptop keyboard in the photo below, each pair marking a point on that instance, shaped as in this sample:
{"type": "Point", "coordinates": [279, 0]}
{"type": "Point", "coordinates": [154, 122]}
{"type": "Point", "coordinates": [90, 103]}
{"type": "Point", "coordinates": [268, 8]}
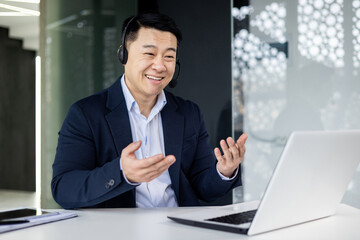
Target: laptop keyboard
{"type": "Point", "coordinates": [237, 218]}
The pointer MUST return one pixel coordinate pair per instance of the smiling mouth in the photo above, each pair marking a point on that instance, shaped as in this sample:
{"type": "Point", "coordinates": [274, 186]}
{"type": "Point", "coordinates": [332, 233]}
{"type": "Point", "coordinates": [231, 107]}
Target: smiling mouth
{"type": "Point", "coordinates": [154, 78]}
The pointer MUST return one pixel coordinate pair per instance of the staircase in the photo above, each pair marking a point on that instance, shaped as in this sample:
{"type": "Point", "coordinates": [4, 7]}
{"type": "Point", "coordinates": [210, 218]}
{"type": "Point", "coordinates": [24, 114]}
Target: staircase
{"type": "Point", "coordinates": [21, 17]}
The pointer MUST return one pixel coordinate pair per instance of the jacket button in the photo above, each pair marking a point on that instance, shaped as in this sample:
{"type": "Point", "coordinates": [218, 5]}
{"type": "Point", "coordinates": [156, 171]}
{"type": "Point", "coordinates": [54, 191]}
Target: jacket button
{"type": "Point", "coordinates": [111, 182]}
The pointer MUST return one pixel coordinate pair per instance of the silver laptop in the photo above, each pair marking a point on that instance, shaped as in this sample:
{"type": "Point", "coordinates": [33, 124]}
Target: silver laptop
{"type": "Point", "coordinates": [308, 183]}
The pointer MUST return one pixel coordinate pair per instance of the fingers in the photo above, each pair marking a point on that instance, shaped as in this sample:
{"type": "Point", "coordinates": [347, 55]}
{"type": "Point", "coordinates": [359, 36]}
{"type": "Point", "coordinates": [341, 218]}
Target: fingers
{"type": "Point", "coordinates": [241, 143]}
{"type": "Point", "coordinates": [158, 168]}
{"type": "Point", "coordinates": [225, 149]}
{"type": "Point", "coordinates": [148, 162]}
{"type": "Point", "coordinates": [218, 155]}
{"type": "Point", "coordinates": [131, 148]}
{"type": "Point", "coordinates": [145, 170]}
{"type": "Point", "coordinates": [233, 155]}
{"type": "Point", "coordinates": [242, 139]}
{"type": "Point", "coordinates": [232, 151]}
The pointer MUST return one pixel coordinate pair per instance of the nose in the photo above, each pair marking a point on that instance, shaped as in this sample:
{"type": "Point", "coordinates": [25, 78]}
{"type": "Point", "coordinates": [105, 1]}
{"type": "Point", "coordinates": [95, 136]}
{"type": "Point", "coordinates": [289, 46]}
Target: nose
{"type": "Point", "coordinates": [158, 64]}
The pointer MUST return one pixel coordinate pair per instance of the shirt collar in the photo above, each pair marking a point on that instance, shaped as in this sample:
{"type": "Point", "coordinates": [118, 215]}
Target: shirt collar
{"type": "Point", "coordinates": [132, 104]}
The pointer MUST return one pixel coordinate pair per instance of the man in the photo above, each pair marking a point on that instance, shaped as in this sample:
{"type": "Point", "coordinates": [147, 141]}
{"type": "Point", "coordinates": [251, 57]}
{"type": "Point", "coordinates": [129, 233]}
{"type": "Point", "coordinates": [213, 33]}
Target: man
{"type": "Point", "coordinates": [136, 145]}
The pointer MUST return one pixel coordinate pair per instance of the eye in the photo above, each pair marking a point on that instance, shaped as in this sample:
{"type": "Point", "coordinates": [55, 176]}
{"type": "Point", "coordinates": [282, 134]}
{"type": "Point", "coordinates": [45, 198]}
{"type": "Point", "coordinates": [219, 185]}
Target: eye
{"type": "Point", "coordinates": [149, 54]}
{"type": "Point", "coordinates": [169, 58]}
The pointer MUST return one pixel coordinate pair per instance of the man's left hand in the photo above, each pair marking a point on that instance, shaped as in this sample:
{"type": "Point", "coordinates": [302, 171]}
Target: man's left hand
{"type": "Point", "coordinates": [233, 155]}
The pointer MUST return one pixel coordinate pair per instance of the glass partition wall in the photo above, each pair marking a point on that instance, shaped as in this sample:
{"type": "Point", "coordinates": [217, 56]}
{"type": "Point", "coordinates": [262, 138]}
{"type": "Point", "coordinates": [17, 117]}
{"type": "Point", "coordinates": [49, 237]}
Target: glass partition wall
{"type": "Point", "coordinates": [295, 66]}
{"type": "Point", "coordinates": [79, 43]}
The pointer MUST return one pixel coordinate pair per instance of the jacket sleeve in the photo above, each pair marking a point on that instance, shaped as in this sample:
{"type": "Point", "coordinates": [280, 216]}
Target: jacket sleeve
{"type": "Point", "coordinates": [80, 179]}
{"type": "Point", "coordinates": [203, 175]}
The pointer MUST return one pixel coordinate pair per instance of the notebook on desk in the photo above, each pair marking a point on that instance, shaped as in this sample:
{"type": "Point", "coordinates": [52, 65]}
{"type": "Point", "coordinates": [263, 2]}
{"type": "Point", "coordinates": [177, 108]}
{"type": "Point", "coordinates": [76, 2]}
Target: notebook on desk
{"type": "Point", "coordinates": [308, 183]}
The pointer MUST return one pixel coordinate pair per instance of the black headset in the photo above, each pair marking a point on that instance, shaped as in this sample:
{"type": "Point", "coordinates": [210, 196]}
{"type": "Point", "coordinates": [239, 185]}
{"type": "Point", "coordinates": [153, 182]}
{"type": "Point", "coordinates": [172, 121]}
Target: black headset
{"type": "Point", "coordinates": [122, 54]}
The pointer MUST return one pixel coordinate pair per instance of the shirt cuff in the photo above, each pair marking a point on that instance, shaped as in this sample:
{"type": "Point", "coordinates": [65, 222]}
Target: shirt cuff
{"type": "Point", "coordinates": [226, 178]}
{"type": "Point", "coordinates": [131, 183]}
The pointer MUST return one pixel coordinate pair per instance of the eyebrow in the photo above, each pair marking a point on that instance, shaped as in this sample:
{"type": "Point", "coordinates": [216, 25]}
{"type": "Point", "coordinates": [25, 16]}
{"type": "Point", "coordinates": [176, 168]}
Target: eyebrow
{"type": "Point", "coordinates": [153, 46]}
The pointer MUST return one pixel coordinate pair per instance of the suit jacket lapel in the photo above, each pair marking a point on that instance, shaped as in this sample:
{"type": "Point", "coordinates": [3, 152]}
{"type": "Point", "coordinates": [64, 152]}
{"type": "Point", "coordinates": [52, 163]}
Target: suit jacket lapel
{"type": "Point", "coordinates": [118, 117]}
{"type": "Point", "coordinates": [173, 128]}
{"type": "Point", "coordinates": [118, 121]}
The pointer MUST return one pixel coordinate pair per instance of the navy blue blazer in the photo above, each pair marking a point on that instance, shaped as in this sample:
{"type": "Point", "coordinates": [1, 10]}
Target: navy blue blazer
{"type": "Point", "coordinates": [86, 170]}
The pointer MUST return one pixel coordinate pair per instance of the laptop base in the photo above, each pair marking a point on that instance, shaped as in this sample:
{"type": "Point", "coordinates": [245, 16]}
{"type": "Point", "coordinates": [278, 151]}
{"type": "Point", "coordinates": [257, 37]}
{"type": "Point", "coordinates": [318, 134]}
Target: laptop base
{"type": "Point", "coordinates": [210, 226]}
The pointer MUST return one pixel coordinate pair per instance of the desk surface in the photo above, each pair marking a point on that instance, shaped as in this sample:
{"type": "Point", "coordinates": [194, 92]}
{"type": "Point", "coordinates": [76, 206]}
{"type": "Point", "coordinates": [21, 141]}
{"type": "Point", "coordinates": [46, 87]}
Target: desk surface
{"type": "Point", "coordinates": [153, 224]}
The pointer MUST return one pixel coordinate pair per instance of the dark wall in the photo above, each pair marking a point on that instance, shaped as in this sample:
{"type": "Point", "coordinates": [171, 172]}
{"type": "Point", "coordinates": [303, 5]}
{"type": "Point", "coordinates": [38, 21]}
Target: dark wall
{"type": "Point", "coordinates": [205, 56]}
{"type": "Point", "coordinates": [17, 115]}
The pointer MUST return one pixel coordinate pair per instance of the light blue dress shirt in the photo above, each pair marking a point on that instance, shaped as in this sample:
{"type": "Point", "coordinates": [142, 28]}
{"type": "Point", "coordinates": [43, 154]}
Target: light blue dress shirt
{"type": "Point", "coordinates": [158, 192]}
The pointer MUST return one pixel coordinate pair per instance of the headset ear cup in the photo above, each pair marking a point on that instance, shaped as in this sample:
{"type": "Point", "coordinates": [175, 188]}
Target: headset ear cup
{"type": "Point", "coordinates": [122, 54]}
{"type": "Point", "coordinates": [125, 56]}
{"type": "Point", "coordinates": [173, 83]}
{"type": "Point", "coordinates": [119, 54]}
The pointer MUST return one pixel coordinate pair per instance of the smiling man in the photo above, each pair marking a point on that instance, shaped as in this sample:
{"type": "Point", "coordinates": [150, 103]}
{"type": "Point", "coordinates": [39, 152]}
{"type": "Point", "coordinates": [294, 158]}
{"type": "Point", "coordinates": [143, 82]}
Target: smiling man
{"type": "Point", "coordinates": [136, 145]}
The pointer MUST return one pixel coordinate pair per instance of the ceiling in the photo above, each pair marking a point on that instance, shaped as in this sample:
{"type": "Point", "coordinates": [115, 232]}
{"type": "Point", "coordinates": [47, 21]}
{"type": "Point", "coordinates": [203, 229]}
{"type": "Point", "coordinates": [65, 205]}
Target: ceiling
{"type": "Point", "coordinates": [21, 17]}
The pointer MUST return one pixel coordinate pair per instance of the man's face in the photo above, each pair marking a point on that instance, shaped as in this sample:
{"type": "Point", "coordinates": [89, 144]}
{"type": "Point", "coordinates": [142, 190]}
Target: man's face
{"type": "Point", "coordinates": [151, 63]}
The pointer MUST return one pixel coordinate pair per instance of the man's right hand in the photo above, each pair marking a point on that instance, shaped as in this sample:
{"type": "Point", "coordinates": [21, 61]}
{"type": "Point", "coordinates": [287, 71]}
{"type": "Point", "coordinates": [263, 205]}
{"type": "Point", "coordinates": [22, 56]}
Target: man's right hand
{"type": "Point", "coordinates": [143, 170]}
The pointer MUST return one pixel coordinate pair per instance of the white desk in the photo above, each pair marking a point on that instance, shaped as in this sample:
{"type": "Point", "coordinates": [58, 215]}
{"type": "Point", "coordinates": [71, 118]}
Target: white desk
{"type": "Point", "coordinates": [152, 224]}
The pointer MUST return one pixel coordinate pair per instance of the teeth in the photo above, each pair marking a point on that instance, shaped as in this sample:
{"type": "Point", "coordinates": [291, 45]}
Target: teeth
{"type": "Point", "coordinates": [154, 78]}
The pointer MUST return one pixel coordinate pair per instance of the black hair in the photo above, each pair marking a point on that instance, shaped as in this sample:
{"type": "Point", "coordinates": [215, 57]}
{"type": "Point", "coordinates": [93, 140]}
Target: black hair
{"type": "Point", "coordinates": [156, 21]}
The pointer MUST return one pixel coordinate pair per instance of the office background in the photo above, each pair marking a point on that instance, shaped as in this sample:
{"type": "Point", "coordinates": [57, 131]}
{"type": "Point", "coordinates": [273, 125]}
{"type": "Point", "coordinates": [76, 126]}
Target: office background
{"type": "Point", "coordinates": [263, 67]}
